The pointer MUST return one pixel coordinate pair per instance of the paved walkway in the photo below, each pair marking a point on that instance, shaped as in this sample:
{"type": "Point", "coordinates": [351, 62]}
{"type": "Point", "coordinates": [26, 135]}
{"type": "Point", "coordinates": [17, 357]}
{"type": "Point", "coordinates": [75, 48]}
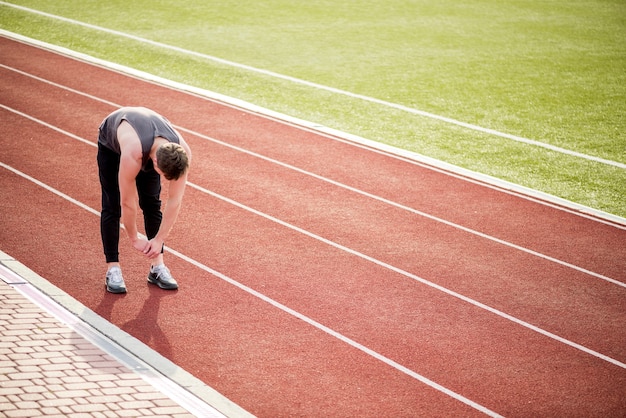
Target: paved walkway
{"type": "Point", "coordinates": [54, 364]}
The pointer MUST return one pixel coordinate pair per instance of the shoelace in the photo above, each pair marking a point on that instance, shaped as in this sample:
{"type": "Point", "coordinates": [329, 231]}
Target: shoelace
{"type": "Point", "coordinates": [115, 276]}
{"type": "Point", "coordinates": [160, 270]}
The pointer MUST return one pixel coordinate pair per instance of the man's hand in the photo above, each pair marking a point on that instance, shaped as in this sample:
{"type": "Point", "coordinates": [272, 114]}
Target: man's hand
{"type": "Point", "coordinates": [141, 244]}
{"type": "Point", "coordinates": [154, 248]}
{"type": "Point", "coordinates": [150, 249]}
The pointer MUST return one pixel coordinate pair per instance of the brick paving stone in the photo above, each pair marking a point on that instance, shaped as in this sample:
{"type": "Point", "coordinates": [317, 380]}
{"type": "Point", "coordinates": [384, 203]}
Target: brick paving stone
{"type": "Point", "coordinates": [48, 412]}
{"type": "Point", "coordinates": [22, 413]}
{"type": "Point", "coordinates": [31, 397]}
{"type": "Point", "coordinates": [16, 383]}
{"type": "Point", "coordinates": [10, 391]}
{"type": "Point", "coordinates": [89, 407]}
{"type": "Point", "coordinates": [57, 402]}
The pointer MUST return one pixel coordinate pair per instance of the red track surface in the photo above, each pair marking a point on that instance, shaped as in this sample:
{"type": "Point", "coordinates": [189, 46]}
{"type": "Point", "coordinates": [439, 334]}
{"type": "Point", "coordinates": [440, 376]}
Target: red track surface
{"type": "Point", "coordinates": [511, 304]}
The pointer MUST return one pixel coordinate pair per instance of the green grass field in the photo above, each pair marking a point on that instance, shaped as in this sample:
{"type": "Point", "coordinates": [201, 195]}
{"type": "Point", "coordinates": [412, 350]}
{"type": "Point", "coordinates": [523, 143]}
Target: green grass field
{"type": "Point", "coordinates": [550, 71]}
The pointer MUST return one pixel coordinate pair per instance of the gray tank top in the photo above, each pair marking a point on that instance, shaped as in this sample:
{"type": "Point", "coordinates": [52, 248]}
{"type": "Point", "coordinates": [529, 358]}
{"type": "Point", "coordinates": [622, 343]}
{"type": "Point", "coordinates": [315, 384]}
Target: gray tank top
{"type": "Point", "coordinates": [148, 125]}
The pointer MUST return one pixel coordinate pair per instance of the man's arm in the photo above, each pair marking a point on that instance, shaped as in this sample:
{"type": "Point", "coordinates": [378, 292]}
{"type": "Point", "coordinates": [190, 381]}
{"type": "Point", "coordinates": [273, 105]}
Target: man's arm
{"type": "Point", "coordinates": [170, 213]}
{"type": "Point", "coordinates": [176, 190]}
{"type": "Point", "coordinates": [130, 164]}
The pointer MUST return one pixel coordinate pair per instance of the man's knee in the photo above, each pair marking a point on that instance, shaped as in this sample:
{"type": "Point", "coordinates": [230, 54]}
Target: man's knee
{"type": "Point", "coordinates": [150, 204]}
{"type": "Point", "coordinates": [109, 213]}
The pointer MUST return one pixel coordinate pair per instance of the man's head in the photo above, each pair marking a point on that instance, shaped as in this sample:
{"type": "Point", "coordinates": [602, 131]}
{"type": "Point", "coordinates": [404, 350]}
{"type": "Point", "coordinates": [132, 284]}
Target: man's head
{"type": "Point", "coordinates": [172, 160]}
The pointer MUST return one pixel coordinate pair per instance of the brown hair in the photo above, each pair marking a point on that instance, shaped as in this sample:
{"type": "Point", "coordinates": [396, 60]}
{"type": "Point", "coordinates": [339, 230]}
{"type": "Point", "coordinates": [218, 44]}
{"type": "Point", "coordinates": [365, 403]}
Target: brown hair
{"type": "Point", "coordinates": [172, 160]}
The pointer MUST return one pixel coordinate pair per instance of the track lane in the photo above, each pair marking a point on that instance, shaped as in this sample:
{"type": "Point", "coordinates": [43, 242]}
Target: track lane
{"type": "Point", "coordinates": [435, 261]}
{"type": "Point", "coordinates": [225, 252]}
{"type": "Point", "coordinates": [471, 205]}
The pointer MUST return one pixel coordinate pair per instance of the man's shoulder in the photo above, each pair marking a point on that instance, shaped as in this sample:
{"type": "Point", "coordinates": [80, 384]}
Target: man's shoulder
{"type": "Point", "coordinates": [128, 139]}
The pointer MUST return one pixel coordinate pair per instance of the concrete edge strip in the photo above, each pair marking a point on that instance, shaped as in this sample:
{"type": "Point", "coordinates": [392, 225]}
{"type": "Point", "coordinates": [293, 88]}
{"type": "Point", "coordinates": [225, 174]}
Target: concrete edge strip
{"type": "Point", "coordinates": [182, 387]}
{"type": "Point", "coordinates": [333, 133]}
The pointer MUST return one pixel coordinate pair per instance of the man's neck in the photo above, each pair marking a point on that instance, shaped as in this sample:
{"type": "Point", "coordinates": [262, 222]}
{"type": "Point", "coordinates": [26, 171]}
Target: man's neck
{"type": "Point", "coordinates": [158, 141]}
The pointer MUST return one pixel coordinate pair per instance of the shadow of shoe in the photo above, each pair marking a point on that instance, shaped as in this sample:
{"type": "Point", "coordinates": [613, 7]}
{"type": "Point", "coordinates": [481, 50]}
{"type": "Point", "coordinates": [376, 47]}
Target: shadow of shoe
{"type": "Point", "coordinates": [145, 326]}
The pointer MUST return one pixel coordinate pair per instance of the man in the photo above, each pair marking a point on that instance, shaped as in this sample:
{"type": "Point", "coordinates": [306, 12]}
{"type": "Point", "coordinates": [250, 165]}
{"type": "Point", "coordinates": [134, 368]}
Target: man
{"type": "Point", "coordinates": [135, 147]}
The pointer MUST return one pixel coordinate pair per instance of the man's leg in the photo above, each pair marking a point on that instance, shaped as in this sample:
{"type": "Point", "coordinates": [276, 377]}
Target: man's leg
{"type": "Point", "coordinates": [108, 167]}
{"type": "Point", "coordinates": [149, 191]}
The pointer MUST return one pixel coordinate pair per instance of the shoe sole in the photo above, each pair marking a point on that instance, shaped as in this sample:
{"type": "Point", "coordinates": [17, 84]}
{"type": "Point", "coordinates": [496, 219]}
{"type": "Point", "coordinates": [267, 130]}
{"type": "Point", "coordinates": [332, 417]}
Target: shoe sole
{"type": "Point", "coordinates": [114, 290]}
{"type": "Point", "coordinates": [161, 285]}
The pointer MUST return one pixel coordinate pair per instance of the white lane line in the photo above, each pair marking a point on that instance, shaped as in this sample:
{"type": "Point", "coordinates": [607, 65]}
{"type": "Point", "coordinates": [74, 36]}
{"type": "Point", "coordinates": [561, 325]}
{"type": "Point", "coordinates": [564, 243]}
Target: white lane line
{"type": "Point", "coordinates": [282, 307]}
{"type": "Point", "coordinates": [326, 88]}
{"type": "Point", "coordinates": [379, 147]}
{"type": "Point", "coordinates": [372, 146]}
{"type": "Point", "coordinates": [411, 210]}
{"type": "Point", "coordinates": [375, 261]}
{"type": "Point", "coordinates": [324, 179]}
{"type": "Point", "coordinates": [413, 277]}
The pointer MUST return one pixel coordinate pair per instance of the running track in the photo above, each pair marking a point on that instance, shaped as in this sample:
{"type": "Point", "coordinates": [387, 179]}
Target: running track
{"type": "Point", "coordinates": [320, 277]}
